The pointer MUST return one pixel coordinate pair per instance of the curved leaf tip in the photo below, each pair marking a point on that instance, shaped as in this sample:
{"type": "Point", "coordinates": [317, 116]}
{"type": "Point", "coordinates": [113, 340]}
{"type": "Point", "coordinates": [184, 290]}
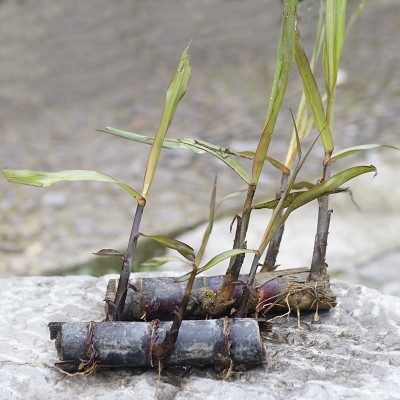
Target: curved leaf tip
{"type": "Point", "coordinates": [110, 252]}
{"type": "Point", "coordinates": [182, 248]}
{"type": "Point", "coordinates": [355, 149]}
{"type": "Point", "coordinates": [45, 179]}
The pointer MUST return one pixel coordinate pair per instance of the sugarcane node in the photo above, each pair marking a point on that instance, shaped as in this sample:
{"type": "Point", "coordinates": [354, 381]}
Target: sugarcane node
{"type": "Point", "coordinates": [133, 287]}
{"type": "Point", "coordinates": [264, 324]}
{"type": "Point", "coordinates": [154, 337]}
{"type": "Point", "coordinates": [226, 334]}
{"type": "Point", "coordinates": [222, 308]}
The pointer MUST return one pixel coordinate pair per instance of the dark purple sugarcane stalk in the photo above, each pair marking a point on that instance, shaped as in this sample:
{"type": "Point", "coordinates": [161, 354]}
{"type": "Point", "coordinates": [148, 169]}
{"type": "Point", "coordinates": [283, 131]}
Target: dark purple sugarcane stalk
{"type": "Point", "coordinates": [159, 298]}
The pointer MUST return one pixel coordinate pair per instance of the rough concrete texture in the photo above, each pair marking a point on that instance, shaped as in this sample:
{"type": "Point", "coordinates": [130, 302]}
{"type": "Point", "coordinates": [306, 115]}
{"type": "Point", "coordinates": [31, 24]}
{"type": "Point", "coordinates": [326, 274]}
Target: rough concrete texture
{"type": "Point", "coordinates": [353, 353]}
{"type": "Point", "coordinates": [69, 67]}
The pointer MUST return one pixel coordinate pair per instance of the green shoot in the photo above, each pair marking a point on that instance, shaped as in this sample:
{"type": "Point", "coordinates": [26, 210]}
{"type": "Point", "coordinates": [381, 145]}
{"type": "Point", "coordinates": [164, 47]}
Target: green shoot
{"type": "Point", "coordinates": [176, 90]}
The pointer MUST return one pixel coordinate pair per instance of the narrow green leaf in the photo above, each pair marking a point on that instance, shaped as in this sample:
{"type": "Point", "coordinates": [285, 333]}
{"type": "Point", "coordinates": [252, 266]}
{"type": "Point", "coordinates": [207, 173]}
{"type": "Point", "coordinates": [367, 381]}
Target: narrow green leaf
{"type": "Point", "coordinates": [208, 230]}
{"type": "Point", "coordinates": [285, 170]}
{"type": "Point", "coordinates": [313, 95]}
{"type": "Point", "coordinates": [283, 67]}
{"type": "Point", "coordinates": [109, 252]}
{"type": "Point", "coordinates": [355, 149]}
{"type": "Point", "coordinates": [335, 15]}
{"type": "Point", "coordinates": [155, 262]}
{"type": "Point", "coordinates": [168, 143]}
{"type": "Point", "coordinates": [231, 196]}
{"type": "Point", "coordinates": [354, 17]}
{"type": "Point", "coordinates": [182, 248]}
{"type": "Point", "coordinates": [176, 90]}
{"type": "Point", "coordinates": [44, 179]}
{"type": "Point", "coordinates": [302, 185]}
{"type": "Point", "coordinates": [304, 122]}
{"type": "Point", "coordinates": [222, 154]}
{"type": "Point", "coordinates": [197, 146]}
{"type": "Point", "coordinates": [326, 186]}
{"type": "Point", "coordinates": [223, 256]}
{"type": "Point", "coordinates": [273, 203]}
{"type": "Point", "coordinates": [289, 199]}
{"type": "Point", "coordinates": [272, 161]}
{"type": "Point", "coordinates": [216, 260]}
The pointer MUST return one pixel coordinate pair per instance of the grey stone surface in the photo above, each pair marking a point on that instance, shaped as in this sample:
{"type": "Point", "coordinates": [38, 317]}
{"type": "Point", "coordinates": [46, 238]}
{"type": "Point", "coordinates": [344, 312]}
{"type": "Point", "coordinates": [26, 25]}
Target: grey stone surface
{"type": "Point", "coordinates": [354, 353]}
{"type": "Point", "coordinates": [68, 67]}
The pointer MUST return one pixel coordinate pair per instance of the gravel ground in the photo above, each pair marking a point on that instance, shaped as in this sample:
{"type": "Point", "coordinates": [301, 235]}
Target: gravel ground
{"type": "Point", "coordinates": [353, 353]}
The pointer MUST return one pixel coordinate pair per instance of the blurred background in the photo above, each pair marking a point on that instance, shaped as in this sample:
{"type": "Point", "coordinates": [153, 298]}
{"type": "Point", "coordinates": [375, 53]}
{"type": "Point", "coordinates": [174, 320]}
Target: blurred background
{"type": "Point", "coordinates": [69, 67]}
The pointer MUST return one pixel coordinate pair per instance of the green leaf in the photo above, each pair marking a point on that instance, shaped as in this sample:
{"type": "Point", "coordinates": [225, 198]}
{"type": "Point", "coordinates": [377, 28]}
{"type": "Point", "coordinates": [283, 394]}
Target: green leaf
{"type": "Point", "coordinates": [355, 149]}
{"type": "Point", "coordinates": [168, 143]}
{"type": "Point", "coordinates": [289, 199]}
{"type": "Point", "coordinates": [313, 95]}
{"type": "Point", "coordinates": [304, 122]}
{"type": "Point", "coordinates": [283, 67]}
{"type": "Point", "coordinates": [302, 185]}
{"type": "Point", "coordinates": [182, 248]}
{"type": "Point", "coordinates": [272, 161]}
{"type": "Point", "coordinates": [176, 90]}
{"type": "Point", "coordinates": [208, 230]}
{"type": "Point", "coordinates": [222, 154]}
{"type": "Point", "coordinates": [197, 146]}
{"type": "Point", "coordinates": [356, 13]}
{"type": "Point", "coordinates": [44, 179]}
{"type": "Point", "coordinates": [273, 203]}
{"type": "Point", "coordinates": [326, 187]}
{"type": "Point", "coordinates": [109, 252]}
{"type": "Point", "coordinates": [216, 260]}
{"type": "Point", "coordinates": [335, 16]}
{"type": "Point", "coordinates": [231, 196]}
{"type": "Point", "coordinates": [158, 261]}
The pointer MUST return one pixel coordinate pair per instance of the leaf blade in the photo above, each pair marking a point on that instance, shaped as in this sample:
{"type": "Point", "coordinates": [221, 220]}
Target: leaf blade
{"type": "Point", "coordinates": [197, 146]}
{"type": "Point", "coordinates": [327, 186]}
{"type": "Point", "coordinates": [155, 262]}
{"type": "Point", "coordinates": [45, 179]}
{"type": "Point", "coordinates": [283, 67]}
{"type": "Point", "coordinates": [215, 260]}
{"type": "Point", "coordinates": [219, 153]}
{"type": "Point", "coordinates": [289, 199]}
{"type": "Point", "coordinates": [176, 90]}
{"type": "Point", "coordinates": [110, 253]}
{"type": "Point", "coordinates": [355, 149]}
{"type": "Point", "coordinates": [210, 225]}
{"type": "Point", "coordinates": [275, 163]}
{"type": "Point", "coordinates": [182, 248]}
{"type": "Point", "coordinates": [313, 95]}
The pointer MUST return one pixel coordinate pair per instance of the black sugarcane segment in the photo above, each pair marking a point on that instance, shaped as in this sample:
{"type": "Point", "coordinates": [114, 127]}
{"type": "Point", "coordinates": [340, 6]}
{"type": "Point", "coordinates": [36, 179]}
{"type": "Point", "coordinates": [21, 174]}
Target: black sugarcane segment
{"type": "Point", "coordinates": [88, 346]}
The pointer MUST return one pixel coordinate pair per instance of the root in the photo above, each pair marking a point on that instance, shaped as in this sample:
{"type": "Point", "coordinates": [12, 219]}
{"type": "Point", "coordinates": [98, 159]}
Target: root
{"type": "Point", "coordinates": [88, 366]}
{"type": "Point", "coordinates": [301, 296]}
